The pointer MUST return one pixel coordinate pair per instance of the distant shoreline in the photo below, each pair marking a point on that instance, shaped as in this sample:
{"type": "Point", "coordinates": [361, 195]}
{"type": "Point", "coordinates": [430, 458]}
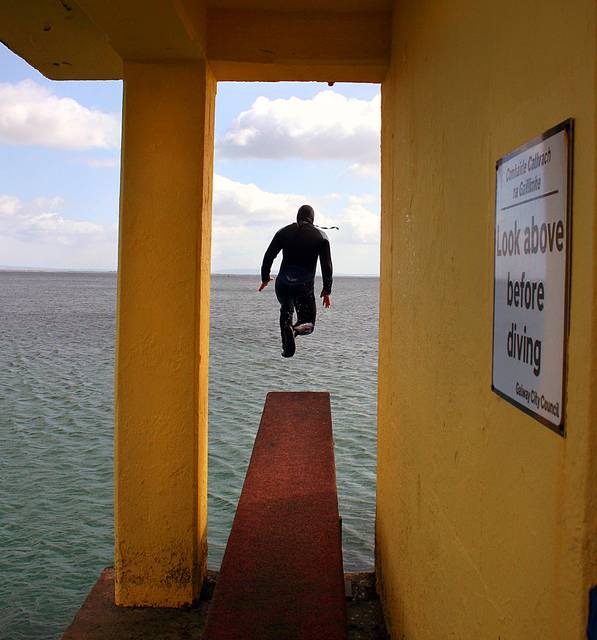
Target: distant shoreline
{"type": "Point", "coordinates": [109, 272]}
{"type": "Point", "coordinates": [41, 270]}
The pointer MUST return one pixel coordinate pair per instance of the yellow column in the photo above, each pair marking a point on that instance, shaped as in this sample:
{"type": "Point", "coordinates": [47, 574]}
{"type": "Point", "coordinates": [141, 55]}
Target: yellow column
{"type": "Point", "coordinates": [163, 333]}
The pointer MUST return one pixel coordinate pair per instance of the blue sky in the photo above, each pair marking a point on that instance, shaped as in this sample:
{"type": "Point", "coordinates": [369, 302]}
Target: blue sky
{"type": "Point", "coordinates": [278, 145]}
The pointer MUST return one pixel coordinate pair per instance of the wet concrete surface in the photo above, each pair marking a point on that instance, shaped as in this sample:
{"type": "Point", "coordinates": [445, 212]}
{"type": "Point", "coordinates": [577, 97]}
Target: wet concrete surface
{"type": "Point", "coordinates": [364, 612]}
{"type": "Point", "coordinates": [100, 619]}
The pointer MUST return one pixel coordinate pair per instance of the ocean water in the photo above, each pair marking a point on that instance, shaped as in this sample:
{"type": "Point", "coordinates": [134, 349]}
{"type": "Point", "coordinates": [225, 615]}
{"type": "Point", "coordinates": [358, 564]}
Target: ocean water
{"type": "Point", "coordinates": [56, 425]}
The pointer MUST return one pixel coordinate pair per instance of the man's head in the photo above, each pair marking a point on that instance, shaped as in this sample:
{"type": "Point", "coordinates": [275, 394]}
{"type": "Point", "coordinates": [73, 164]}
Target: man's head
{"type": "Point", "coordinates": [305, 215]}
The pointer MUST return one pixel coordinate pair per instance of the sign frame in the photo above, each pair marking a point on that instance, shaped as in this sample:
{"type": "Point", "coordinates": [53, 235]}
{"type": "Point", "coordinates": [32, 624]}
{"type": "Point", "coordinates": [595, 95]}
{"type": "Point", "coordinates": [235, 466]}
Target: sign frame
{"type": "Point", "coordinates": [568, 127]}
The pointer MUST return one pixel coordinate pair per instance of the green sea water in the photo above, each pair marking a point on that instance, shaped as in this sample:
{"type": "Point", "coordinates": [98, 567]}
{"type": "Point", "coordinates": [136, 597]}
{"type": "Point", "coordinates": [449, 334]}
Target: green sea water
{"type": "Point", "coordinates": [56, 425]}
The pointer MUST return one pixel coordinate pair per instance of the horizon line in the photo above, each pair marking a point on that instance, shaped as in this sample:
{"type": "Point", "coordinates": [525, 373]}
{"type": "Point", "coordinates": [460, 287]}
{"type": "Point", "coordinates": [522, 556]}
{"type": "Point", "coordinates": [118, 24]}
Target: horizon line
{"type": "Point", "coordinates": [219, 272]}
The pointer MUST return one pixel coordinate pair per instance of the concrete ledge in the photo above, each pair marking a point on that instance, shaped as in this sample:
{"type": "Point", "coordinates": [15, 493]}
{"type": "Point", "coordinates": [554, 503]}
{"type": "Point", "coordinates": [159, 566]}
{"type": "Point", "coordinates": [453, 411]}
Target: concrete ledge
{"type": "Point", "coordinates": [327, 46]}
{"type": "Point", "coordinates": [100, 619]}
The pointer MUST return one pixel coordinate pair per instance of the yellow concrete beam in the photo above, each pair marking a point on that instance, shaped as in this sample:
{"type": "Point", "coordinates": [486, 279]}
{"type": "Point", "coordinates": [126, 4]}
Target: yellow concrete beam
{"type": "Point", "coordinates": [163, 333]}
{"type": "Point", "coordinates": [276, 45]}
{"type": "Point", "coordinates": [340, 6]}
{"type": "Point", "coordinates": [58, 39]}
{"type": "Point", "coordinates": [89, 39]}
{"type": "Point", "coordinates": [151, 29]}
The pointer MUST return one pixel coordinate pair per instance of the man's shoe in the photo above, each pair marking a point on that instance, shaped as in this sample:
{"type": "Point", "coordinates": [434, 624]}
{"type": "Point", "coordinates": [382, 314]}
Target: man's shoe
{"type": "Point", "coordinates": [288, 344]}
{"type": "Point", "coordinates": [303, 329]}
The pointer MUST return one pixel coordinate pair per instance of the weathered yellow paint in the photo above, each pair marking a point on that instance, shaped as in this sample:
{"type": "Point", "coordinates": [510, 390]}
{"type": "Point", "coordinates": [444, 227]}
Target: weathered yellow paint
{"type": "Point", "coordinates": [486, 520]}
{"type": "Point", "coordinates": [59, 40]}
{"type": "Point", "coordinates": [326, 40]}
{"type": "Point", "coordinates": [163, 333]}
{"type": "Point", "coordinates": [338, 6]}
{"type": "Point", "coordinates": [151, 29]}
{"type": "Point", "coordinates": [281, 45]}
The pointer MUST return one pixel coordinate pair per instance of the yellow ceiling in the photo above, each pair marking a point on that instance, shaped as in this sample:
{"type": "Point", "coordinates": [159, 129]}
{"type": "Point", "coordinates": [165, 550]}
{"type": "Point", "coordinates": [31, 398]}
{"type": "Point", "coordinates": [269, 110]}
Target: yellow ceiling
{"type": "Point", "coordinates": [88, 39]}
{"type": "Point", "coordinates": [58, 39]}
{"type": "Point", "coordinates": [303, 5]}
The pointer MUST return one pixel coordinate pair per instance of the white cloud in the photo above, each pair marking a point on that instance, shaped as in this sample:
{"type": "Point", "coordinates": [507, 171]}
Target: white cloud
{"type": "Point", "coordinates": [35, 234]}
{"type": "Point", "coordinates": [32, 114]}
{"type": "Point", "coordinates": [238, 207]}
{"type": "Point", "coordinates": [9, 206]}
{"type": "Point", "coordinates": [245, 217]}
{"type": "Point", "coordinates": [363, 222]}
{"type": "Point", "coordinates": [329, 125]}
{"type": "Point", "coordinates": [239, 204]}
{"type": "Point", "coordinates": [364, 170]}
{"type": "Point", "coordinates": [101, 163]}
{"type": "Point", "coordinates": [52, 203]}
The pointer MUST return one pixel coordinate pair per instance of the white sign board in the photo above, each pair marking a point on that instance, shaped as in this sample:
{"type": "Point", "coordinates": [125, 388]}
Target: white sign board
{"type": "Point", "coordinates": [531, 254]}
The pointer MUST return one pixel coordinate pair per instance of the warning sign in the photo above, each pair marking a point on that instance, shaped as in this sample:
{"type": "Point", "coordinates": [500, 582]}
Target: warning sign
{"type": "Point", "coordinates": [531, 255]}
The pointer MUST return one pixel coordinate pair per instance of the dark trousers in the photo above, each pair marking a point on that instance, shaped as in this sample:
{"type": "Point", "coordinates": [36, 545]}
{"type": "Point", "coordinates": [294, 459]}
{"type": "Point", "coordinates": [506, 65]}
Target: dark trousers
{"type": "Point", "coordinates": [295, 296]}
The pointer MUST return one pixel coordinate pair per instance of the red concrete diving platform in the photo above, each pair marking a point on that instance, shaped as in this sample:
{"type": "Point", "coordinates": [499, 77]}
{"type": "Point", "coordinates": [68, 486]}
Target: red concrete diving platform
{"type": "Point", "coordinates": [282, 575]}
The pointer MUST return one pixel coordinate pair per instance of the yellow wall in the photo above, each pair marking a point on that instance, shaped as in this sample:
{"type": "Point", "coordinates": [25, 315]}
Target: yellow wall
{"type": "Point", "coordinates": [163, 333]}
{"type": "Point", "coordinates": [486, 520]}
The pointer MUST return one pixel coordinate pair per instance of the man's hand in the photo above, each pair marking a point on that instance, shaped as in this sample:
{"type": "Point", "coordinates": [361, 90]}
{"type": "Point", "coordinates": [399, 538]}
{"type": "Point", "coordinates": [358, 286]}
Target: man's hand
{"type": "Point", "coordinates": [327, 303]}
{"type": "Point", "coordinates": [264, 284]}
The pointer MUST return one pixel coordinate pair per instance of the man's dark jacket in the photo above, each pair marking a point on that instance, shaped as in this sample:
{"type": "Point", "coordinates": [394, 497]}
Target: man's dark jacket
{"type": "Point", "coordinates": [301, 244]}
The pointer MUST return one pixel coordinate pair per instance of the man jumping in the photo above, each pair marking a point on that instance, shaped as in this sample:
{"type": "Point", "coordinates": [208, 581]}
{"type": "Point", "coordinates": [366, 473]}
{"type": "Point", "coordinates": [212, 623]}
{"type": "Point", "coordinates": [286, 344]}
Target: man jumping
{"type": "Point", "coordinates": [301, 244]}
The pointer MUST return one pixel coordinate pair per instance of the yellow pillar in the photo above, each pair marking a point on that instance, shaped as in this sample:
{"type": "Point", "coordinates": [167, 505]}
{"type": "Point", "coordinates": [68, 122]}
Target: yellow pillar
{"type": "Point", "coordinates": [163, 333]}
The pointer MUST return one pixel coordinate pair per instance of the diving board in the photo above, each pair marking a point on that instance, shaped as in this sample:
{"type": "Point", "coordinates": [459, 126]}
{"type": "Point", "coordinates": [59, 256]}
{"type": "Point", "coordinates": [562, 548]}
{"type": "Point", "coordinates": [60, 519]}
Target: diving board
{"type": "Point", "coordinates": [282, 576]}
